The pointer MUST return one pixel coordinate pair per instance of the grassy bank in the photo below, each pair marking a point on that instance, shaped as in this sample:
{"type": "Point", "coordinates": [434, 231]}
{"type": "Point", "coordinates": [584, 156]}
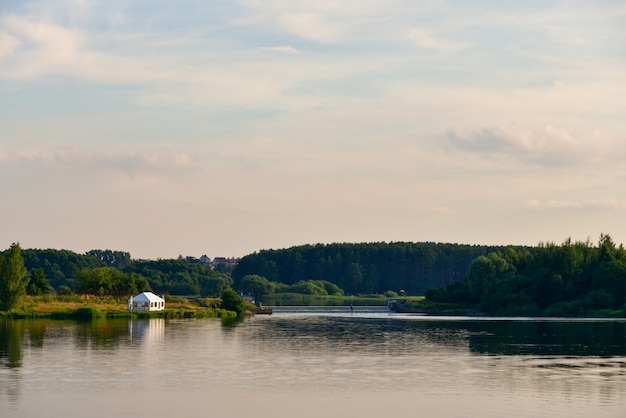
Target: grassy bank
{"type": "Point", "coordinates": [90, 306]}
{"type": "Point", "coordinates": [298, 299]}
{"type": "Point", "coordinates": [560, 310]}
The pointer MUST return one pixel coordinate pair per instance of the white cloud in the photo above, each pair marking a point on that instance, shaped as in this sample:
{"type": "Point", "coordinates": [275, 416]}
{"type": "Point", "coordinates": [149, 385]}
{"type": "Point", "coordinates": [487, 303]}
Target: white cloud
{"type": "Point", "coordinates": [585, 204]}
{"type": "Point", "coordinates": [44, 47]}
{"type": "Point", "coordinates": [542, 144]}
{"type": "Point", "coordinates": [426, 39]}
{"type": "Point", "coordinates": [286, 49]}
{"type": "Point", "coordinates": [310, 26]}
{"type": "Point", "coordinates": [8, 44]}
{"type": "Point", "coordinates": [101, 159]}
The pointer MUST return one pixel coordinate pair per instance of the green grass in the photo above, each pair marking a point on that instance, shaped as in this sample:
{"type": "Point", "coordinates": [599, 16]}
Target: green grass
{"type": "Point", "coordinates": [87, 307]}
{"type": "Point", "coordinates": [298, 299]}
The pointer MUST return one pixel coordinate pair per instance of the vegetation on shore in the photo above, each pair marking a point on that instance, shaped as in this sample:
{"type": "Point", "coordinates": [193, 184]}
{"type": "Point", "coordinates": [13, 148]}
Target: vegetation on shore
{"type": "Point", "coordinates": [572, 279]}
{"type": "Point", "coordinates": [89, 306]}
{"type": "Point", "coordinates": [365, 268]}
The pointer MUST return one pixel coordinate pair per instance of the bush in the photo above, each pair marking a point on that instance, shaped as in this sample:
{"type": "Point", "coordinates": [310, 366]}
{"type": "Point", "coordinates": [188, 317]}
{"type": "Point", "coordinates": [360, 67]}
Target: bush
{"type": "Point", "coordinates": [232, 301]}
{"type": "Point", "coordinates": [88, 313]}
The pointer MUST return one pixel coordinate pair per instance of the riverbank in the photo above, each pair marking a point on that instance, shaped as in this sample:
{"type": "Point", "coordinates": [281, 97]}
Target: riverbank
{"type": "Point", "coordinates": [424, 306]}
{"type": "Point", "coordinates": [90, 307]}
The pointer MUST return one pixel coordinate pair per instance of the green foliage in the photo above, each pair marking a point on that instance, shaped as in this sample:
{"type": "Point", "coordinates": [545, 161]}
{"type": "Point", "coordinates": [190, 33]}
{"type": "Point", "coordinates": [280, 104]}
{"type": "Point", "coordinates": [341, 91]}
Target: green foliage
{"type": "Point", "coordinates": [59, 266]}
{"type": "Point", "coordinates": [117, 259]}
{"type": "Point", "coordinates": [214, 284]}
{"type": "Point", "coordinates": [308, 287]}
{"type": "Point", "coordinates": [180, 276]}
{"type": "Point", "coordinates": [88, 313]}
{"type": "Point", "coordinates": [571, 279]}
{"type": "Point", "coordinates": [110, 281]}
{"type": "Point", "coordinates": [232, 301]}
{"type": "Point", "coordinates": [300, 299]}
{"type": "Point", "coordinates": [38, 284]}
{"type": "Point", "coordinates": [13, 278]}
{"type": "Point", "coordinates": [255, 285]}
{"type": "Point", "coordinates": [366, 267]}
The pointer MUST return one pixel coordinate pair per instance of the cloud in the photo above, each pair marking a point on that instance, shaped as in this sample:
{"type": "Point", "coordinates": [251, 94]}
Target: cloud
{"type": "Point", "coordinates": [44, 47]}
{"type": "Point", "coordinates": [587, 204]}
{"type": "Point", "coordinates": [425, 39]}
{"type": "Point", "coordinates": [8, 44]}
{"type": "Point", "coordinates": [544, 144]}
{"type": "Point", "coordinates": [311, 26]}
{"type": "Point", "coordinates": [285, 49]}
{"type": "Point", "coordinates": [130, 162]}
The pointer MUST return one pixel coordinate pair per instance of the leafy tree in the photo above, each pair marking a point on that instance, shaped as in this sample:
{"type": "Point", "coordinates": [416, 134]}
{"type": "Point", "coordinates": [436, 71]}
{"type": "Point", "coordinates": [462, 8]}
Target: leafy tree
{"type": "Point", "coordinates": [13, 278]}
{"type": "Point", "coordinates": [232, 301]}
{"type": "Point", "coordinates": [365, 267]}
{"type": "Point", "coordinates": [214, 285]}
{"type": "Point", "coordinates": [567, 279]}
{"type": "Point", "coordinates": [611, 277]}
{"type": "Point", "coordinates": [110, 281]}
{"type": "Point", "coordinates": [181, 276]}
{"type": "Point", "coordinates": [38, 283]}
{"type": "Point", "coordinates": [485, 270]}
{"type": "Point", "coordinates": [256, 285]}
{"type": "Point", "coordinates": [331, 288]}
{"type": "Point", "coordinates": [60, 266]}
{"type": "Point", "coordinates": [309, 287]}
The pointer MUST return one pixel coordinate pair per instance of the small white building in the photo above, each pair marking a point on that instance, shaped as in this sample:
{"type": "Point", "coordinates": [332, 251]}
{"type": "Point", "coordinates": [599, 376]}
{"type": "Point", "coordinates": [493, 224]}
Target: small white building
{"type": "Point", "coordinates": [146, 301]}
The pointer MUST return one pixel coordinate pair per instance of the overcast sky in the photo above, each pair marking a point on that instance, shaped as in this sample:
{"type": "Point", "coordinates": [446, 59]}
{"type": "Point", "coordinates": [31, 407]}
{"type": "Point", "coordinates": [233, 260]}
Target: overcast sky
{"type": "Point", "coordinates": [168, 128]}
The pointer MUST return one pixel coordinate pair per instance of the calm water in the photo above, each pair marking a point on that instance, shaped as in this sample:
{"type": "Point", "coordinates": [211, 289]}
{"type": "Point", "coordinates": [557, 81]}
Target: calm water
{"type": "Point", "coordinates": [314, 364]}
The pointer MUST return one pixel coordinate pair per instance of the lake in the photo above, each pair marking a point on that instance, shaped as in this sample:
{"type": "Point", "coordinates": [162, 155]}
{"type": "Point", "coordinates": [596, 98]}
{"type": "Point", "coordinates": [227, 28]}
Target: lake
{"type": "Point", "coordinates": [314, 363]}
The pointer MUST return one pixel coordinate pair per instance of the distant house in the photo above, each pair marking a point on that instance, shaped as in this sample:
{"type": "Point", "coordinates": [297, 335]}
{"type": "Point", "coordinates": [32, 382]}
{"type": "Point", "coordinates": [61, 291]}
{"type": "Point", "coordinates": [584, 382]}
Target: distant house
{"type": "Point", "coordinates": [146, 301]}
{"type": "Point", "coordinates": [228, 262]}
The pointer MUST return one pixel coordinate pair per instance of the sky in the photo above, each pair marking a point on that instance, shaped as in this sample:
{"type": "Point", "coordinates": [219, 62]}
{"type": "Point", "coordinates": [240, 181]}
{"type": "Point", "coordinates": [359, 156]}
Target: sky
{"type": "Point", "coordinates": [167, 128]}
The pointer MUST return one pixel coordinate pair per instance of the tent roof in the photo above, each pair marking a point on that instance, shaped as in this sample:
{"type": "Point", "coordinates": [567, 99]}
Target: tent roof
{"type": "Point", "coordinates": [147, 297]}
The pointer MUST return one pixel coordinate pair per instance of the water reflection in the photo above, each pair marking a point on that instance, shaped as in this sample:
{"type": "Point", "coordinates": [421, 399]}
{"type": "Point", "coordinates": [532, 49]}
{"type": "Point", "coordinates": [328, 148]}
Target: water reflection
{"type": "Point", "coordinates": [105, 335]}
{"type": "Point", "coordinates": [544, 368]}
{"type": "Point", "coordinates": [548, 338]}
{"type": "Point", "coordinates": [147, 331]}
{"type": "Point", "coordinates": [497, 337]}
{"type": "Point", "coordinates": [11, 342]}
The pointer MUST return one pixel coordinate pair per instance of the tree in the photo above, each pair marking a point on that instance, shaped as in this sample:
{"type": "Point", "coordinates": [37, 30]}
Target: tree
{"type": "Point", "coordinates": [13, 278]}
{"type": "Point", "coordinates": [256, 285]}
{"type": "Point", "coordinates": [110, 281]}
{"type": "Point", "coordinates": [232, 301]}
{"type": "Point", "coordinates": [214, 285]}
{"type": "Point", "coordinates": [38, 283]}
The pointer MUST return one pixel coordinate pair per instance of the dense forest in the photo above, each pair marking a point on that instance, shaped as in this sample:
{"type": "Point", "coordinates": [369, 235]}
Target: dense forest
{"type": "Point", "coordinates": [114, 272]}
{"type": "Point", "coordinates": [351, 268]}
{"type": "Point", "coordinates": [368, 267]}
{"type": "Point", "coordinates": [61, 267]}
{"type": "Point", "coordinates": [569, 279]}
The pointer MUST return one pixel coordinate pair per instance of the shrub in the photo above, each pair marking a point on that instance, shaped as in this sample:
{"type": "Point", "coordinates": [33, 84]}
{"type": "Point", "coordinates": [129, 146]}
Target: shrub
{"type": "Point", "coordinates": [88, 313]}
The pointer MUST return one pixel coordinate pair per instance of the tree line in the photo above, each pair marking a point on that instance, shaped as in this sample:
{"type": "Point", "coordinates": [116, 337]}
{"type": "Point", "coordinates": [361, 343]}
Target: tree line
{"type": "Point", "coordinates": [365, 268]}
{"type": "Point", "coordinates": [311, 269]}
{"type": "Point", "coordinates": [545, 279]}
{"type": "Point", "coordinates": [111, 272]}
{"type": "Point", "coordinates": [568, 279]}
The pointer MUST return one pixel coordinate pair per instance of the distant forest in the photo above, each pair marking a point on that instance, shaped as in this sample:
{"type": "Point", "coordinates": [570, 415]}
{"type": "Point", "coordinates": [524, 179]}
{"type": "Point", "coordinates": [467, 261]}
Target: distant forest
{"type": "Point", "coordinates": [367, 267]}
{"type": "Point", "coordinates": [570, 279]}
{"type": "Point", "coordinates": [114, 272]}
{"type": "Point", "coordinates": [361, 268]}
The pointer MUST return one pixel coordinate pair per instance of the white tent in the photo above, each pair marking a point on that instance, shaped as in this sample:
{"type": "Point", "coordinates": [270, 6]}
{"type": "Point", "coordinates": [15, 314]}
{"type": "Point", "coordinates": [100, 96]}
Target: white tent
{"type": "Point", "coordinates": [146, 301]}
